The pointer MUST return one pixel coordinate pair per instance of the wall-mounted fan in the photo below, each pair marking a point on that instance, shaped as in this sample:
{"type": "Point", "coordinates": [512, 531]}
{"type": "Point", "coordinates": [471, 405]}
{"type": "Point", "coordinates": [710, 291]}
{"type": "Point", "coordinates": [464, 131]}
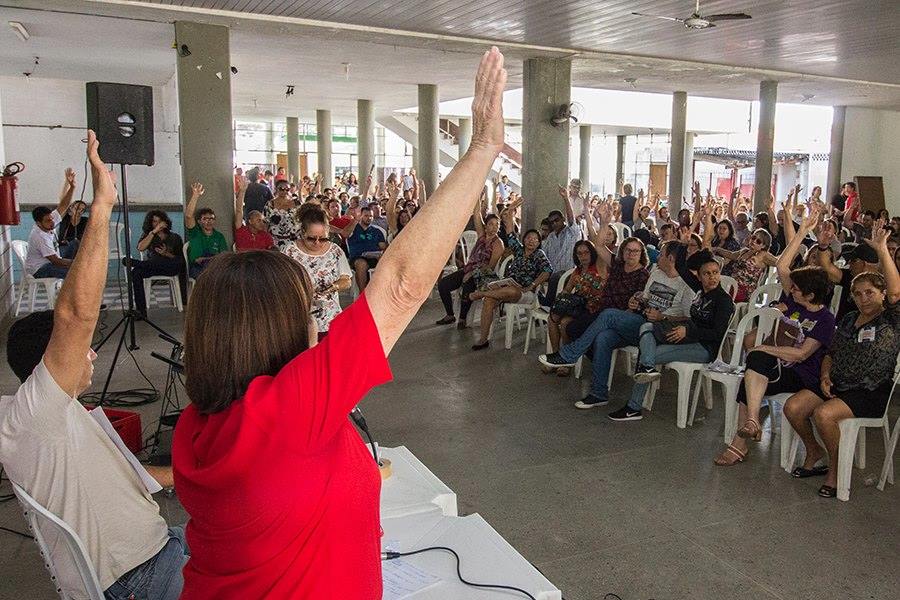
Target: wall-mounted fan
{"type": "Point", "coordinates": [572, 111]}
{"type": "Point", "coordinates": [698, 21]}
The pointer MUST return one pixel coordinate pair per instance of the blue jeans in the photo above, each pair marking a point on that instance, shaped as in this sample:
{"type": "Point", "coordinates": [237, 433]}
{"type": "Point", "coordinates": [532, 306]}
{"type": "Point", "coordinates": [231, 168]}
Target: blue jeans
{"type": "Point", "coordinates": [653, 353]}
{"type": "Point", "coordinates": [613, 328]}
{"type": "Point", "coordinates": [69, 249]}
{"type": "Point", "coordinates": [51, 270]}
{"type": "Point", "coordinates": [159, 578]}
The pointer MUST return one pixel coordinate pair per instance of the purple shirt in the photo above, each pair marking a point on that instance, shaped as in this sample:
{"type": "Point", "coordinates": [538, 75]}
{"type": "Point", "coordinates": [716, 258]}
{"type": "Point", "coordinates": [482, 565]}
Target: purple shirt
{"type": "Point", "coordinates": [818, 325]}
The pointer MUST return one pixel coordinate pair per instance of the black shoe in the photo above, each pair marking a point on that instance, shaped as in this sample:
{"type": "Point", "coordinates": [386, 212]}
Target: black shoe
{"type": "Point", "coordinates": [590, 402]}
{"type": "Point", "coordinates": [645, 374]}
{"type": "Point", "coordinates": [461, 324]}
{"type": "Point", "coordinates": [625, 414]}
{"type": "Point", "coordinates": [481, 346]}
{"type": "Point", "coordinates": [448, 320]}
{"type": "Point", "coordinates": [554, 360]}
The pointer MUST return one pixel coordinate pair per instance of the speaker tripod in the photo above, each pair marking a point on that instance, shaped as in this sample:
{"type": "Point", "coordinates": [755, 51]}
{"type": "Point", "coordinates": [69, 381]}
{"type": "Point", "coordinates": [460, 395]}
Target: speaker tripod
{"type": "Point", "coordinates": [130, 316]}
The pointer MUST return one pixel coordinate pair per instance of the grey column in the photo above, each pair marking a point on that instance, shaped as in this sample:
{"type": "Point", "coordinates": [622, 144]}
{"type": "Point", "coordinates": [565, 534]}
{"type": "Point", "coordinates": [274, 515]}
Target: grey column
{"type": "Point", "coordinates": [323, 146]}
{"type": "Point", "coordinates": [427, 163]}
{"type": "Point", "coordinates": [687, 176]}
{"type": "Point", "coordinates": [620, 164]}
{"type": "Point", "coordinates": [545, 148]}
{"type": "Point", "coordinates": [365, 136]}
{"type": "Point", "coordinates": [464, 136]}
{"type": "Point", "coordinates": [836, 156]}
{"type": "Point", "coordinates": [204, 111]}
{"type": "Point", "coordinates": [415, 159]}
{"type": "Point", "coordinates": [293, 148]}
{"type": "Point", "coordinates": [765, 140]}
{"type": "Point", "coordinates": [677, 151]}
{"type": "Point", "coordinates": [584, 157]}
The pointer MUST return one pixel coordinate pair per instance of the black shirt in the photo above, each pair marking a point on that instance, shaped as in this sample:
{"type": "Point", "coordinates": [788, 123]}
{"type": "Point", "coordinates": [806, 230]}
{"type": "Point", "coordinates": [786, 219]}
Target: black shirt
{"type": "Point", "coordinates": [710, 314]}
{"type": "Point", "coordinates": [839, 201]}
{"type": "Point", "coordinates": [67, 232]}
{"type": "Point", "coordinates": [172, 243]}
{"type": "Point", "coordinates": [627, 203]}
{"type": "Point", "coordinates": [256, 197]}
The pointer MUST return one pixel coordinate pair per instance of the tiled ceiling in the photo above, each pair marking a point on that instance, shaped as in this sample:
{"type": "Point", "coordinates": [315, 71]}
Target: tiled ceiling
{"type": "Point", "coordinates": [839, 38]}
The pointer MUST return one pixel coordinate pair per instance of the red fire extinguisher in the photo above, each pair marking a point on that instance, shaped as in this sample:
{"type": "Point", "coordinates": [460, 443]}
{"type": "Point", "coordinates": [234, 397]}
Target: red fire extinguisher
{"type": "Point", "coordinates": [9, 207]}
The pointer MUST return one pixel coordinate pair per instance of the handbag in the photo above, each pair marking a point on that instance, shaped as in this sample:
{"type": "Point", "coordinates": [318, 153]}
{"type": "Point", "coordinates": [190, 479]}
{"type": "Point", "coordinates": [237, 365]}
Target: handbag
{"type": "Point", "coordinates": [661, 329]}
{"type": "Point", "coordinates": [569, 305]}
{"type": "Point", "coordinates": [788, 334]}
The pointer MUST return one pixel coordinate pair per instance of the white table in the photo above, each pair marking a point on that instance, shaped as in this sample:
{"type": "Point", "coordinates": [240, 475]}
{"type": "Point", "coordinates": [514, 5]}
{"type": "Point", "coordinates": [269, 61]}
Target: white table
{"type": "Point", "coordinates": [485, 557]}
{"type": "Point", "coordinates": [412, 488]}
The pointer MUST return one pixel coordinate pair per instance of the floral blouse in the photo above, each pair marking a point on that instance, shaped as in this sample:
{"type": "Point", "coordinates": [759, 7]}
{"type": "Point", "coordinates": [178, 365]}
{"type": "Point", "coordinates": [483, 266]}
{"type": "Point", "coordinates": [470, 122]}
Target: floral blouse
{"type": "Point", "coordinates": [284, 226]}
{"type": "Point", "coordinates": [323, 270]}
{"type": "Point", "coordinates": [864, 357]}
{"type": "Point", "coordinates": [589, 284]}
{"type": "Point", "coordinates": [525, 269]}
{"type": "Point", "coordinates": [746, 273]}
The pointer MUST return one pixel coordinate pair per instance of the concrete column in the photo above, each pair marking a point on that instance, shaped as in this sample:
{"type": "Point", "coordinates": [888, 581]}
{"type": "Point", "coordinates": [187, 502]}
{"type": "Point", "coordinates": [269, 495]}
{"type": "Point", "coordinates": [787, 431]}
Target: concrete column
{"type": "Point", "coordinates": [293, 148]}
{"type": "Point", "coordinates": [464, 136]}
{"type": "Point", "coordinates": [323, 146]}
{"type": "Point", "coordinates": [415, 159]}
{"type": "Point", "coordinates": [836, 157]}
{"type": "Point", "coordinates": [677, 151]}
{"type": "Point", "coordinates": [428, 157]}
{"type": "Point", "coordinates": [765, 140]}
{"type": "Point", "coordinates": [584, 157]}
{"type": "Point", "coordinates": [204, 110]}
{"type": "Point", "coordinates": [270, 144]}
{"type": "Point", "coordinates": [620, 164]}
{"type": "Point", "coordinates": [365, 136]}
{"type": "Point", "coordinates": [547, 85]}
{"type": "Point", "coordinates": [687, 177]}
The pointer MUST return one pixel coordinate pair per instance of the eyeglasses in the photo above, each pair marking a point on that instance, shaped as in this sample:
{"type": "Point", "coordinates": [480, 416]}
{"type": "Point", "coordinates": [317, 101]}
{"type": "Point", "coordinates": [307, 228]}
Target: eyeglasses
{"type": "Point", "coordinates": [283, 189]}
{"type": "Point", "coordinates": [632, 250]}
{"type": "Point", "coordinates": [312, 239]}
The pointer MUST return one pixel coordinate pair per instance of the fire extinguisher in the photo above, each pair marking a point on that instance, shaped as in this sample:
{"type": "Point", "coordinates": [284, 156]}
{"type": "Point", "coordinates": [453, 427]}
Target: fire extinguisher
{"type": "Point", "coordinates": [9, 207]}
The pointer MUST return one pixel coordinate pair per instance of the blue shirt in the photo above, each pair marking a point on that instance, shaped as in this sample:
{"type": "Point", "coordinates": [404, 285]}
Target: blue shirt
{"type": "Point", "coordinates": [364, 240]}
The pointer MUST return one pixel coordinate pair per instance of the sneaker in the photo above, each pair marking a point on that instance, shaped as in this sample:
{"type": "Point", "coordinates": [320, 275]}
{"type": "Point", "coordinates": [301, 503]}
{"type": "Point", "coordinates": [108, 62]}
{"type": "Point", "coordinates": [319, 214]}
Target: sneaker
{"type": "Point", "coordinates": [590, 402]}
{"type": "Point", "coordinates": [645, 374]}
{"type": "Point", "coordinates": [625, 414]}
{"type": "Point", "coordinates": [554, 360]}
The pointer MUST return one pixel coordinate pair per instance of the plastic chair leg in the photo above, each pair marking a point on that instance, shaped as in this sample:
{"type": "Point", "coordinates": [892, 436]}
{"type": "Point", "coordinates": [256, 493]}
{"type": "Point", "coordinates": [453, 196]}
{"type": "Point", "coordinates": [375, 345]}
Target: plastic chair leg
{"type": "Point", "coordinates": [860, 457]}
{"type": "Point", "coordinates": [528, 334]}
{"type": "Point", "coordinates": [650, 395]}
{"type": "Point", "coordinates": [684, 393]}
{"type": "Point", "coordinates": [510, 321]}
{"type": "Point", "coordinates": [32, 297]}
{"type": "Point", "coordinates": [731, 416]}
{"type": "Point", "coordinates": [708, 391]}
{"type": "Point", "coordinates": [612, 367]}
{"type": "Point", "coordinates": [578, 366]}
{"type": "Point", "coordinates": [849, 434]}
{"type": "Point", "coordinates": [148, 292]}
{"type": "Point", "coordinates": [695, 398]}
{"type": "Point", "coordinates": [22, 287]}
{"type": "Point", "coordinates": [887, 470]}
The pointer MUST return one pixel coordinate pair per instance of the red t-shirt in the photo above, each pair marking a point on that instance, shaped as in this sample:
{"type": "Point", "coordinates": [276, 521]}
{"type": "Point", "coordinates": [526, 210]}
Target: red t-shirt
{"type": "Point", "coordinates": [282, 493]}
{"type": "Point", "coordinates": [245, 239]}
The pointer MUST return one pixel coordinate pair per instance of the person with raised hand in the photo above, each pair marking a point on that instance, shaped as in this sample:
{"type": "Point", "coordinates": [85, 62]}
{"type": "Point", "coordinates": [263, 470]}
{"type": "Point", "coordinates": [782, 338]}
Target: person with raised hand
{"type": "Point", "coordinates": [52, 448]}
{"type": "Point", "coordinates": [275, 402]}
{"type": "Point", "coordinates": [42, 257]}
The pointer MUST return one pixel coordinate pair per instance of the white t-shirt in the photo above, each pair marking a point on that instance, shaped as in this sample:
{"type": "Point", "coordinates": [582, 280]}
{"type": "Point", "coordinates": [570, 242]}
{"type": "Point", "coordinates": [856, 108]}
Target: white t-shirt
{"type": "Point", "coordinates": [503, 190]}
{"type": "Point", "coordinates": [41, 244]}
{"type": "Point", "coordinates": [669, 295]}
{"type": "Point", "coordinates": [54, 450]}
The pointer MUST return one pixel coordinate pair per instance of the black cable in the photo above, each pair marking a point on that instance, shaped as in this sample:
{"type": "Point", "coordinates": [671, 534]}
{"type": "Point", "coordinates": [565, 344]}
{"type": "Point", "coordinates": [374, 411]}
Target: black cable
{"type": "Point", "coordinates": [360, 421]}
{"type": "Point", "coordinates": [24, 535]}
{"type": "Point", "coordinates": [392, 555]}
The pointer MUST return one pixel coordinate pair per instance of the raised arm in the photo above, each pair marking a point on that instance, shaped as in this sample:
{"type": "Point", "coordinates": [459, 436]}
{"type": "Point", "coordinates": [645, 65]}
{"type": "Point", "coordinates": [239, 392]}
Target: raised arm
{"type": "Point", "coordinates": [773, 216]}
{"type": "Point", "coordinates": [68, 190]}
{"type": "Point", "coordinates": [423, 194]}
{"type": "Point", "coordinates": [708, 228]}
{"type": "Point", "coordinates": [879, 241]}
{"type": "Point", "coordinates": [239, 202]}
{"type": "Point", "coordinates": [392, 212]}
{"type": "Point", "coordinates": [787, 257]}
{"type": "Point", "coordinates": [78, 304]}
{"type": "Point", "coordinates": [567, 203]}
{"type": "Point", "coordinates": [407, 271]}
{"type": "Point", "coordinates": [731, 201]}
{"type": "Point", "coordinates": [635, 213]}
{"type": "Point", "coordinates": [477, 217]}
{"type": "Point", "coordinates": [788, 218]}
{"type": "Point", "coordinates": [190, 211]}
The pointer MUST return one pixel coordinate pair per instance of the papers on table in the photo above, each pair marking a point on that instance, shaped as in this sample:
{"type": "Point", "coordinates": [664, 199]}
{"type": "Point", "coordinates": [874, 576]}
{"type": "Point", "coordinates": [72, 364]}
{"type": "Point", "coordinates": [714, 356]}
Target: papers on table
{"type": "Point", "coordinates": [402, 579]}
{"type": "Point", "coordinates": [100, 417]}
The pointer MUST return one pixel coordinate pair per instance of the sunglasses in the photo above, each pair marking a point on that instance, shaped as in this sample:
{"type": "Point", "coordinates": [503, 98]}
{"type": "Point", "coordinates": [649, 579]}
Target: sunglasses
{"type": "Point", "coordinates": [283, 189]}
{"type": "Point", "coordinates": [312, 239]}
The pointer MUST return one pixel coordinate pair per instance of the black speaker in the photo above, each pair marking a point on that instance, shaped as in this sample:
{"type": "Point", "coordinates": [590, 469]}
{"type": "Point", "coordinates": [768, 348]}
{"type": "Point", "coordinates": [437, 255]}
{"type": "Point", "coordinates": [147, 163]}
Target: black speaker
{"type": "Point", "coordinates": [122, 117]}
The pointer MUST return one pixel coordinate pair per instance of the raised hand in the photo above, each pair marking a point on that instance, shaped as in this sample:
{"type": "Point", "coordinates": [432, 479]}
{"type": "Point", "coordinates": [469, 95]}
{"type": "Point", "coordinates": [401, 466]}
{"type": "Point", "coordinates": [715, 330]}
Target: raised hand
{"type": "Point", "coordinates": [808, 222]}
{"type": "Point", "coordinates": [243, 182]}
{"type": "Point", "coordinates": [487, 105]}
{"type": "Point", "coordinates": [197, 189]}
{"type": "Point", "coordinates": [695, 190]}
{"type": "Point", "coordinates": [880, 235]}
{"type": "Point", "coordinates": [101, 178]}
{"type": "Point", "coordinates": [70, 178]}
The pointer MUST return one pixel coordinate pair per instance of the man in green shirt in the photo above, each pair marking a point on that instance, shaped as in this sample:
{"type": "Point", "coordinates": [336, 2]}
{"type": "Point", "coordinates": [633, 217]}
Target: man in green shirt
{"type": "Point", "coordinates": [204, 240]}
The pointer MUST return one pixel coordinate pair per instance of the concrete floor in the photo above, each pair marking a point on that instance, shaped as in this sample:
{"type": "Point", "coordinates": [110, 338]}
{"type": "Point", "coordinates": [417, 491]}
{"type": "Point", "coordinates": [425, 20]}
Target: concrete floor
{"type": "Point", "coordinates": [636, 509]}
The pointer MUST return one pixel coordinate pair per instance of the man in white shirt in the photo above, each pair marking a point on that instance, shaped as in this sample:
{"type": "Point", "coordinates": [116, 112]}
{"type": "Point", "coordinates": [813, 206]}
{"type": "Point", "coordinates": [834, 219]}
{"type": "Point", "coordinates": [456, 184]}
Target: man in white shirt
{"type": "Point", "coordinates": [666, 297]}
{"type": "Point", "coordinates": [503, 190]}
{"type": "Point", "coordinates": [42, 258]}
{"type": "Point", "coordinates": [54, 450]}
{"type": "Point", "coordinates": [560, 242]}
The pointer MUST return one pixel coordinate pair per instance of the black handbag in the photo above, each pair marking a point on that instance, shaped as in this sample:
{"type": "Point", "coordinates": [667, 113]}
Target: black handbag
{"type": "Point", "coordinates": [569, 305]}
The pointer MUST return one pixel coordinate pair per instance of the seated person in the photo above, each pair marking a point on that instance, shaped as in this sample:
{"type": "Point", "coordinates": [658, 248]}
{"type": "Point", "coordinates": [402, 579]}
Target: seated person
{"type": "Point", "coordinates": [748, 265]}
{"type": "Point", "coordinates": [204, 240]}
{"type": "Point", "coordinates": [666, 297]}
{"type": "Point", "coordinates": [528, 269]}
{"type": "Point", "coordinates": [364, 241]}
{"type": "Point", "coordinates": [857, 374]}
{"type": "Point", "coordinates": [52, 448]}
{"type": "Point", "coordinates": [255, 234]}
{"type": "Point", "coordinates": [70, 229]}
{"type": "Point", "coordinates": [776, 369]}
{"type": "Point", "coordinates": [163, 249]}
{"type": "Point", "coordinates": [42, 259]}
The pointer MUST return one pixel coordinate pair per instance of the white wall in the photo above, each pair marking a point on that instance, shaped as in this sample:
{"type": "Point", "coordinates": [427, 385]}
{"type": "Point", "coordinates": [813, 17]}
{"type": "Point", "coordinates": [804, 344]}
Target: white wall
{"type": "Point", "coordinates": [872, 147]}
{"type": "Point", "coordinates": [32, 106]}
{"type": "Point", "coordinates": [6, 258]}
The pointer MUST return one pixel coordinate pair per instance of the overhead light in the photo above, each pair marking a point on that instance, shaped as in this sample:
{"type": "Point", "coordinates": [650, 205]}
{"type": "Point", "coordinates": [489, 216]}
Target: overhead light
{"type": "Point", "coordinates": [20, 30]}
{"type": "Point", "coordinates": [806, 97]}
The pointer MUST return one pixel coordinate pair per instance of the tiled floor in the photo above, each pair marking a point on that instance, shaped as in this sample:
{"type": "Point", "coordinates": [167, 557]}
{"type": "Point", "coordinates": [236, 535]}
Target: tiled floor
{"type": "Point", "coordinates": [636, 509]}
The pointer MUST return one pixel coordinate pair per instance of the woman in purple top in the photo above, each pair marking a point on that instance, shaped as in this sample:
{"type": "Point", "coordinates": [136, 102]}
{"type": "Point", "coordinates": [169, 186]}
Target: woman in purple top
{"type": "Point", "coordinates": [779, 369]}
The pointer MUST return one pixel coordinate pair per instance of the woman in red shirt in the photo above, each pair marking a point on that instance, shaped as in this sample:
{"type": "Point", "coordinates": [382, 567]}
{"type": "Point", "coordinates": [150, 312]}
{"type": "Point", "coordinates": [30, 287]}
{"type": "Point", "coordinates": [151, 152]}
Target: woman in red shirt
{"type": "Point", "coordinates": [282, 494]}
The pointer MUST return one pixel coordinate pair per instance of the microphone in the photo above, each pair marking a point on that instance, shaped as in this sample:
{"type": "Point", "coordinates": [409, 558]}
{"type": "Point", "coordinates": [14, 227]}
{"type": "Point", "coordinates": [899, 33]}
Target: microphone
{"type": "Point", "coordinates": [360, 421]}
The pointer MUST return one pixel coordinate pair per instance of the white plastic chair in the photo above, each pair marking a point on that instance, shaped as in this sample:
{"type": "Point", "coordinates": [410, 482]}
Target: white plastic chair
{"type": "Point", "coordinates": [623, 232]}
{"type": "Point", "coordinates": [887, 470]}
{"type": "Point", "coordinates": [171, 281]}
{"type": "Point", "coordinates": [852, 447]}
{"type": "Point", "coordinates": [116, 241]}
{"type": "Point", "coordinates": [761, 296]}
{"type": "Point", "coordinates": [30, 284]}
{"type": "Point", "coordinates": [541, 314]}
{"type": "Point", "coordinates": [187, 269]}
{"type": "Point", "coordinates": [836, 300]}
{"type": "Point", "coordinates": [764, 320]}
{"type": "Point", "coordinates": [467, 242]}
{"type": "Point", "coordinates": [41, 521]}
{"type": "Point", "coordinates": [729, 284]}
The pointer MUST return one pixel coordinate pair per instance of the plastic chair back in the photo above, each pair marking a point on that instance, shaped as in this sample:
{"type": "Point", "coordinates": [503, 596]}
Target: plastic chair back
{"type": "Point", "coordinates": [765, 294]}
{"type": "Point", "coordinates": [729, 284]}
{"type": "Point", "coordinates": [467, 242]}
{"type": "Point", "coordinates": [20, 249]}
{"type": "Point", "coordinates": [764, 319]}
{"type": "Point", "coordinates": [42, 522]}
{"type": "Point", "coordinates": [836, 299]}
{"type": "Point", "coordinates": [501, 266]}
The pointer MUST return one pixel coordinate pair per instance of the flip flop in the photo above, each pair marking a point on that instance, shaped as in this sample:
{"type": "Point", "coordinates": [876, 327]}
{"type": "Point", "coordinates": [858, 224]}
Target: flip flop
{"type": "Point", "coordinates": [801, 473]}
{"type": "Point", "coordinates": [826, 491]}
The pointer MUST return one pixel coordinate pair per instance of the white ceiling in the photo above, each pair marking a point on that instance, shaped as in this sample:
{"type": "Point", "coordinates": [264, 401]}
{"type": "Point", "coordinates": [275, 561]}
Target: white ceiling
{"type": "Point", "coordinates": [271, 52]}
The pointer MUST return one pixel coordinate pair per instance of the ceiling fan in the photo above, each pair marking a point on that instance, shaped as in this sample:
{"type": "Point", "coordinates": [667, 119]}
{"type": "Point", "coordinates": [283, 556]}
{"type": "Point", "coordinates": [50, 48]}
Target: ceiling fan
{"type": "Point", "coordinates": [698, 21]}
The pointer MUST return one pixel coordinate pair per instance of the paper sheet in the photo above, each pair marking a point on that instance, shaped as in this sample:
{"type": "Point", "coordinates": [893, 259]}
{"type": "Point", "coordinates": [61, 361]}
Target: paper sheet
{"type": "Point", "coordinates": [402, 579]}
{"type": "Point", "coordinates": [151, 484]}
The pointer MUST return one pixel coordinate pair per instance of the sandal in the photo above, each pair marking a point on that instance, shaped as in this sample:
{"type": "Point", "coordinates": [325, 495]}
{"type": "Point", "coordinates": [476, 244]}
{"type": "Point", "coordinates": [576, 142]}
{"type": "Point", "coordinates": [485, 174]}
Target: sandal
{"type": "Point", "coordinates": [826, 491]}
{"type": "Point", "coordinates": [801, 473]}
{"type": "Point", "coordinates": [751, 430]}
{"type": "Point", "coordinates": [448, 320]}
{"type": "Point", "coordinates": [730, 456]}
